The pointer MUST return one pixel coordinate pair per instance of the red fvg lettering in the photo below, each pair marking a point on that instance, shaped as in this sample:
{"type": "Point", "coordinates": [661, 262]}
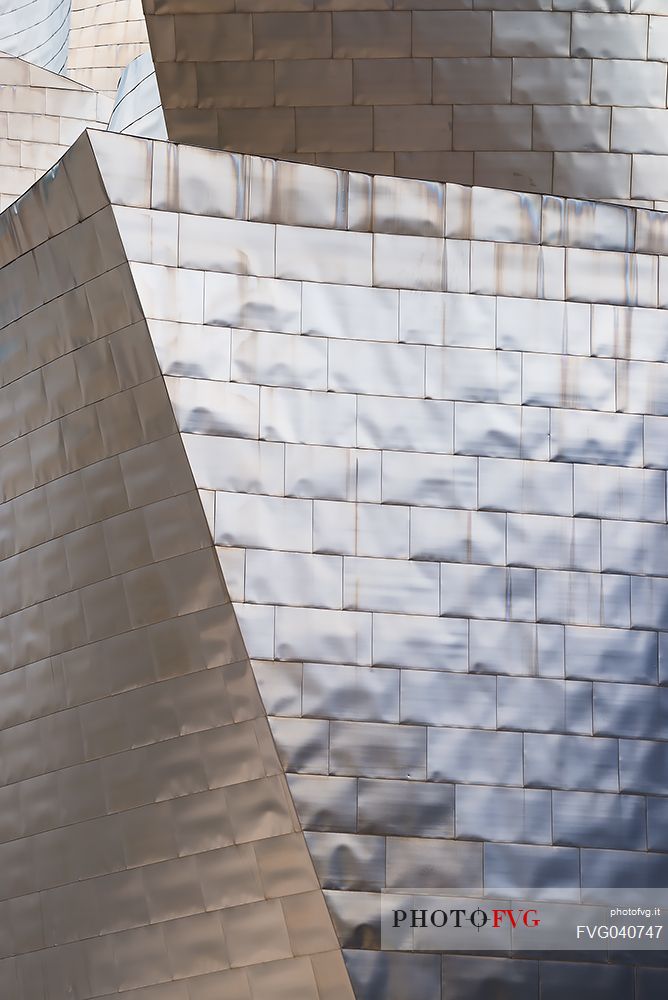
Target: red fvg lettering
{"type": "Point", "coordinates": [528, 917]}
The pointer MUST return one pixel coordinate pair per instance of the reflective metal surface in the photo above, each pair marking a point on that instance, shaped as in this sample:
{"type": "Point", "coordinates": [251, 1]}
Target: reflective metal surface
{"type": "Point", "coordinates": [37, 31]}
{"type": "Point", "coordinates": [149, 841]}
{"type": "Point", "coordinates": [104, 38]}
{"type": "Point", "coordinates": [137, 108]}
{"type": "Point", "coordinates": [41, 115]}
{"type": "Point", "coordinates": [333, 511]}
{"type": "Point", "coordinates": [565, 97]}
{"type": "Point", "coordinates": [441, 519]}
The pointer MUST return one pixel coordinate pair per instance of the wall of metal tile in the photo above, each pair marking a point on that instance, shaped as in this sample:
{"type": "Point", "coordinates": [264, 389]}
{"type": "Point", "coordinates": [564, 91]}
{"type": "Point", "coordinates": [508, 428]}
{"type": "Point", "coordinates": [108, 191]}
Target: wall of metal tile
{"type": "Point", "coordinates": [41, 115]}
{"type": "Point", "coordinates": [36, 30]}
{"type": "Point", "coordinates": [435, 470]}
{"type": "Point", "coordinates": [148, 842]}
{"type": "Point", "coordinates": [562, 96]}
{"type": "Point", "coordinates": [105, 36]}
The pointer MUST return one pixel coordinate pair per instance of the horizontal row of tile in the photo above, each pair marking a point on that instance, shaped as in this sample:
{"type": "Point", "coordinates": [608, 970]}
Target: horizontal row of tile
{"type": "Point", "coordinates": [393, 532]}
{"type": "Point", "coordinates": [418, 588]}
{"type": "Point", "coordinates": [472, 756]}
{"type": "Point", "coordinates": [189, 295]}
{"type": "Point", "coordinates": [421, 642]}
{"type": "Point", "coordinates": [503, 484]}
{"type": "Point", "coordinates": [356, 312]}
{"type": "Point", "coordinates": [438, 480]}
{"type": "Point", "coordinates": [340, 312]}
{"type": "Point", "coordinates": [419, 799]}
{"type": "Point", "coordinates": [574, 87]}
{"type": "Point", "coordinates": [446, 124]}
{"type": "Point", "coordinates": [51, 99]}
{"type": "Point", "coordinates": [232, 185]}
{"type": "Point", "coordinates": [386, 807]}
{"type": "Point", "coordinates": [192, 296]}
{"type": "Point", "coordinates": [402, 33]}
{"type": "Point", "coordinates": [205, 406]}
{"type": "Point", "coordinates": [623, 664]}
{"type": "Point", "coordinates": [362, 862]}
{"type": "Point", "coordinates": [458, 977]}
{"type": "Point", "coordinates": [437, 698]}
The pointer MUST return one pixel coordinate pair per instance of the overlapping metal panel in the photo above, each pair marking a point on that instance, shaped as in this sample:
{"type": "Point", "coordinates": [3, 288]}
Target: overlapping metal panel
{"type": "Point", "coordinates": [556, 96]}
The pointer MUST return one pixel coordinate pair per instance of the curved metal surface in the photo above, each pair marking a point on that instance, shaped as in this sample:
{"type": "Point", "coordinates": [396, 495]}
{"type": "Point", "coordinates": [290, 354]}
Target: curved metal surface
{"type": "Point", "coordinates": [137, 109]}
{"type": "Point", "coordinates": [566, 97]}
{"type": "Point", "coordinates": [36, 30]}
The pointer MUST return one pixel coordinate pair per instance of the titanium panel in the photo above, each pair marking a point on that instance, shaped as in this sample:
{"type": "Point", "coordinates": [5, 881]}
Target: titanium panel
{"type": "Point", "coordinates": [443, 94]}
{"type": "Point", "coordinates": [145, 771]}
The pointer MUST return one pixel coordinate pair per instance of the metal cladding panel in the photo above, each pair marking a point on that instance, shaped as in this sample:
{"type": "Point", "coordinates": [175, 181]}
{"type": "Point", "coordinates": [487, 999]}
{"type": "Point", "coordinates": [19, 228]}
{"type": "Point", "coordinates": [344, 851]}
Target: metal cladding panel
{"type": "Point", "coordinates": [36, 30]}
{"type": "Point", "coordinates": [447, 631]}
{"type": "Point", "coordinates": [557, 96]}
{"type": "Point", "coordinates": [137, 109]}
{"type": "Point", "coordinates": [149, 845]}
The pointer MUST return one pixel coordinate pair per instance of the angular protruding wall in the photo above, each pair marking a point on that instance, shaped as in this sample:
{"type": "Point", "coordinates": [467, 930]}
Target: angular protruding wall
{"type": "Point", "coordinates": [148, 841]}
{"type": "Point", "coordinates": [567, 97]}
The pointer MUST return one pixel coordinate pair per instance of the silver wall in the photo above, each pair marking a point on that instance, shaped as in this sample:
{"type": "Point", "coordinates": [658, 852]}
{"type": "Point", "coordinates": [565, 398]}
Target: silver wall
{"type": "Point", "coordinates": [428, 425]}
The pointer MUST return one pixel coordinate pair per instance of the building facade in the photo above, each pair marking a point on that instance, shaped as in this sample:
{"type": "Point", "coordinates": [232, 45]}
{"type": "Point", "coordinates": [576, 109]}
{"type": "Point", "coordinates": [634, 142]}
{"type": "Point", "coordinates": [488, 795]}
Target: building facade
{"type": "Point", "coordinates": [333, 525]}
